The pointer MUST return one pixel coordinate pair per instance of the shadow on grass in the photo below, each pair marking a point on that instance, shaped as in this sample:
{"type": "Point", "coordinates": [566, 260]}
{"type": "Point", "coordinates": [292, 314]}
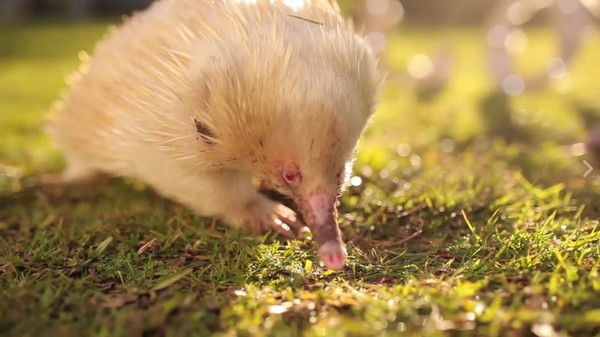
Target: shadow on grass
{"type": "Point", "coordinates": [387, 243]}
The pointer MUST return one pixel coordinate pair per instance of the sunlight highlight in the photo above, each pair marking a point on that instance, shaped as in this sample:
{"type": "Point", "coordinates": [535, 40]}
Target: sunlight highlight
{"type": "Point", "coordinates": [248, 2]}
{"type": "Point", "coordinates": [295, 5]}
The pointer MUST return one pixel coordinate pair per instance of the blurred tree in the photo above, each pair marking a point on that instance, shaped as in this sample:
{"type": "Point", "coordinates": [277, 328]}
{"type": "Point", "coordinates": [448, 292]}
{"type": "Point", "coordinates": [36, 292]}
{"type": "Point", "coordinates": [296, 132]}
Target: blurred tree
{"type": "Point", "coordinates": [13, 9]}
{"type": "Point", "coordinates": [456, 12]}
{"type": "Point", "coordinates": [75, 9]}
{"type": "Point", "coordinates": [429, 12]}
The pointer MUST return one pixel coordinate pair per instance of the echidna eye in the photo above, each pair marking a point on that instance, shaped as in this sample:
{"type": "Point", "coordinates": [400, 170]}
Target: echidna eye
{"type": "Point", "coordinates": [291, 175]}
{"type": "Point", "coordinates": [293, 179]}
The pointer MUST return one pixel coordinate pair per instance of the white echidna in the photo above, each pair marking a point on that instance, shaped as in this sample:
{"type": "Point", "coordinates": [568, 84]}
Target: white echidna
{"type": "Point", "coordinates": [197, 97]}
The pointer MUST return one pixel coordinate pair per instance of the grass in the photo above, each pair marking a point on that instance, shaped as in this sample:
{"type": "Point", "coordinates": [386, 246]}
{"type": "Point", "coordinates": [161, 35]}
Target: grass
{"type": "Point", "coordinates": [457, 228]}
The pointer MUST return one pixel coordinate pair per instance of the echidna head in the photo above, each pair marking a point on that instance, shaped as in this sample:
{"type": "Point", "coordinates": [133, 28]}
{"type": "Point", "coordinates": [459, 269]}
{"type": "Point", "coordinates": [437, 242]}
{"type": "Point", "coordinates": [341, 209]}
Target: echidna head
{"type": "Point", "coordinates": [292, 113]}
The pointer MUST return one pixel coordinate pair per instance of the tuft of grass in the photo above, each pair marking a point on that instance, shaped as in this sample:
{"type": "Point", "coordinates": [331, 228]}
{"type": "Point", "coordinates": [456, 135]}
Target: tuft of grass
{"type": "Point", "coordinates": [451, 232]}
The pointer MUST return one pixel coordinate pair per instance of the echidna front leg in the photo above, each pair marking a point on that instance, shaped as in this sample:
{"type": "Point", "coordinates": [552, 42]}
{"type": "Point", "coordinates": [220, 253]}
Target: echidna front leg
{"type": "Point", "coordinates": [267, 214]}
{"type": "Point", "coordinates": [231, 196]}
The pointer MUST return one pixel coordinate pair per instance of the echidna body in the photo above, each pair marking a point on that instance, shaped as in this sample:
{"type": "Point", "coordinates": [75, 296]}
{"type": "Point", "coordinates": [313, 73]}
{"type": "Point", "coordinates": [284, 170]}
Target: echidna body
{"type": "Point", "coordinates": [197, 97]}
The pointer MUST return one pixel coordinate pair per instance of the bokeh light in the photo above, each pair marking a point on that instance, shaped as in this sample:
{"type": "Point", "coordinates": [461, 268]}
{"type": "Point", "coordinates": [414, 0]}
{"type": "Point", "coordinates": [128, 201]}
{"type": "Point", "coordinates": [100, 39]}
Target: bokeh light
{"type": "Point", "coordinates": [519, 12]}
{"type": "Point", "coordinates": [556, 68]}
{"type": "Point", "coordinates": [513, 84]}
{"type": "Point", "coordinates": [496, 36]}
{"type": "Point", "coordinates": [568, 6]}
{"type": "Point", "coordinates": [377, 41]}
{"type": "Point", "coordinates": [516, 41]}
{"type": "Point", "coordinates": [420, 66]}
{"type": "Point", "coordinates": [378, 7]}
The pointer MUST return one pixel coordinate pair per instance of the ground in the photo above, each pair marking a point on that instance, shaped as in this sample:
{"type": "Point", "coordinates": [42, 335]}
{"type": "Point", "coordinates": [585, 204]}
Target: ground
{"type": "Point", "coordinates": [462, 221]}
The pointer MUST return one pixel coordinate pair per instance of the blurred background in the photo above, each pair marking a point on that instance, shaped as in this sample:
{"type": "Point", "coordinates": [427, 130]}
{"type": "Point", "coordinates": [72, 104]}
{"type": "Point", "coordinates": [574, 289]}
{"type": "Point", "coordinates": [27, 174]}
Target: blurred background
{"type": "Point", "coordinates": [474, 204]}
{"type": "Point", "coordinates": [461, 75]}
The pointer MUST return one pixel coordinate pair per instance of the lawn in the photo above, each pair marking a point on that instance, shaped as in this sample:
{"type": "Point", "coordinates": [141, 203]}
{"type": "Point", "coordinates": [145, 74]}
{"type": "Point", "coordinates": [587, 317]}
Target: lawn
{"type": "Point", "coordinates": [461, 224]}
